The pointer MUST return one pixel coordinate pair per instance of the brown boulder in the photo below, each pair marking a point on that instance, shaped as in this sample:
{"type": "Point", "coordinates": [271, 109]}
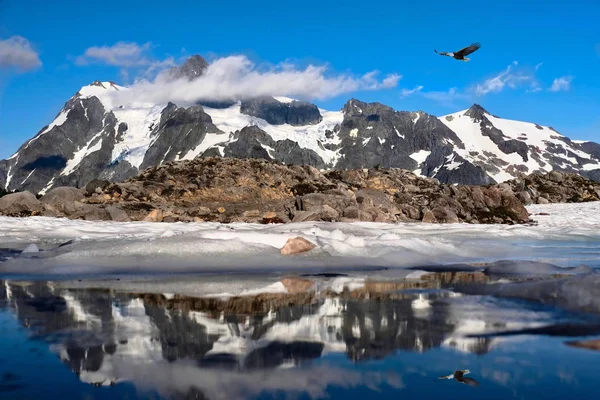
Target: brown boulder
{"type": "Point", "coordinates": [117, 214]}
{"type": "Point", "coordinates": [296, 245]}
{"type": "Point", "coordinates": [21, 204]}
{"type": "Point", "coordinates": [91, 212]}
{"type": "Point", "coordinates": [445, 215]}
{"type": "Point", "coordinates": [254, 214]}
{"type": "Point", "coordinates": [64, 199]}
{"type": "Point", "coordinates": [154, 216]}
{"type": "Point", "coordinates": [321, 213]}
{"type": "Point", "coordinates": [314, 201]}
{"type": "Point", "coordinates": [429, 217]}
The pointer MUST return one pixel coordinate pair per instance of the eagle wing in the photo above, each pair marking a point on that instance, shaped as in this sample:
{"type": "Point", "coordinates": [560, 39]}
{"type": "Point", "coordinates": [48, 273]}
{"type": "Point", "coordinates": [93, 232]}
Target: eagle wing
{"type": "Point", "coordinates": [468, 50]}
{"type": "Point", "coordinates": [443, 53]}
{"type": "Point", "coordinates": [470, 381]}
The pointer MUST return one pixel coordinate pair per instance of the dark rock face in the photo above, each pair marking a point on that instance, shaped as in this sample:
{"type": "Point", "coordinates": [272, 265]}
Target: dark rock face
{"type": "Point", "coordinates": [3, 168]}
{"type": "Point", "coordinates": [180, 130]}
{"type": "Point", "coordinates": [191, 69]}
{"type": "Point", "coordinates": [448, 167]}
{"type": "Point", "coordinates": [591, 148]}
{"type": "Point", "coordinates": [219, 105]}
{"type": "Point", "coordinates": [252, 142]}
{"type": "Point", "coordinates": [593, 174]}
{"type": "Point", "coordinates": [373, 134]}
{"type": "Point", "coordinates": [303, 113]}
{"type": "Point", "coordinates": [277, 113]}
{"type": "Point", "coordinates": [249, 144]}
{"type": "Point", "coordinates": [43, 159]}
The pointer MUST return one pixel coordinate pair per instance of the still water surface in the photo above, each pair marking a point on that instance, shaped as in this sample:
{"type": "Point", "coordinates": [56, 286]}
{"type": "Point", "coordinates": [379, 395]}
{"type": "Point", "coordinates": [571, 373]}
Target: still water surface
{"type": "Point", "coordinates": [61, 343]}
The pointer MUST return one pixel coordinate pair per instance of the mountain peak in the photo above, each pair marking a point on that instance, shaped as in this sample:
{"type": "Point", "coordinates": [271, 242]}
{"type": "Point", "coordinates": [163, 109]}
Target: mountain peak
{"type": "Point", "coordinates": [97, 88]}
{"type": "Point", "coordinates": [192, 68]}
{"type": "Point", "coordinates": [476, 112]}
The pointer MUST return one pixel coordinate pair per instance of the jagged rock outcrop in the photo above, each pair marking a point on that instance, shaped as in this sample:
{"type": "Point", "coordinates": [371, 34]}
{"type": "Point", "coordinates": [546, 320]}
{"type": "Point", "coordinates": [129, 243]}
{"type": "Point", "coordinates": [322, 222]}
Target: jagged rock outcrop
{"type": "Point", "coordinates": [255, 190]}
{"type": "Point", "coordinates": [193, 67]}
{"type": "Point", "coordinates": [88, 129]}
{"type": "Point", "coordinates": [253, 142]}
{"type": "Point", "coordinates": [180, 131]}
{"type": "Point", "coordinates": [554, 187]}
{"type": "Point", "coordinates": [373, 134]}
{"type": "Point", "coordinates": [276, 112]}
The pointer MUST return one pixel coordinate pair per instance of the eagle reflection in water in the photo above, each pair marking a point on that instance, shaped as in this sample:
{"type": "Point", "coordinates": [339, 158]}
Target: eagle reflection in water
{"type": "Point", "coordinates": [459, 376]}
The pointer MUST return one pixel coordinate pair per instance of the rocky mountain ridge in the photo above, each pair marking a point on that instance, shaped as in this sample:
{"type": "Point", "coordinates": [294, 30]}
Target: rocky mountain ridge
{"type": "Point", "coordinates": [225, 190]}
{"type": "Point", "coordinates": [96, 137]}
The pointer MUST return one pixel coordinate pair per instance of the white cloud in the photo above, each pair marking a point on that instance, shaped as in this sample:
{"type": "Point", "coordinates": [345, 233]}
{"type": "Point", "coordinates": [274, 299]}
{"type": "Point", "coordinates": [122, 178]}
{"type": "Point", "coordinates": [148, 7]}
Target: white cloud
{"type": "Point", "coordinates": [561, 84]}
{"type": "Point", "coordinates": [17, 52]}
{"type": "Point", "coordinates": [121, 54]}
{"type": "Point", "coordinates": [408, 92]}
{"type": "Point", "coordinates": [538, 66]}
{"type": "Point", "coordinates": [236, 77]}
{"type": "Point", "coordinates": [510, 77]}
{"type": "Point", "coordinates": [127, 56]}
{"type": "Point", "coordinates": [168, 378]}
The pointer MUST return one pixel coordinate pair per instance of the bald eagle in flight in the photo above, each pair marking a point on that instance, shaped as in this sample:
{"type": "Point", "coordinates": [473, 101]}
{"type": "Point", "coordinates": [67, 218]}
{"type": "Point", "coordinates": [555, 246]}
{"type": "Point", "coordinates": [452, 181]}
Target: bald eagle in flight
{"type": "Point", "coordinates": [460, 55]}
{"type": "Point", "coordinates": [459, 376]}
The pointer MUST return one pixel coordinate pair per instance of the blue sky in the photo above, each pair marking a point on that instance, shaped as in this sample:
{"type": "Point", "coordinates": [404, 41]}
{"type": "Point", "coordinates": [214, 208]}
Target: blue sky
{"type": "Point", "coordinates": [539, 60]}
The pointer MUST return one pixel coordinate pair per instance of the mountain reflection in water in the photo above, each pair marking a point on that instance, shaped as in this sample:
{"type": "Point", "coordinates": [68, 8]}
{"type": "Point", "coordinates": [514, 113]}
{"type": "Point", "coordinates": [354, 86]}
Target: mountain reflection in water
{"type": "Point", "coordinates": [185, 348]}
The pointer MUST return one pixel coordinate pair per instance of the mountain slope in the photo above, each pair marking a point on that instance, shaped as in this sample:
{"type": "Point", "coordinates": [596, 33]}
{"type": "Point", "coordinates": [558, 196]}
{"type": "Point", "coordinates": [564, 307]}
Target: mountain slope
{"type": "Point", "coordinates": [94, 136]}
{"type": "Point", "coordinates": [504, 148]}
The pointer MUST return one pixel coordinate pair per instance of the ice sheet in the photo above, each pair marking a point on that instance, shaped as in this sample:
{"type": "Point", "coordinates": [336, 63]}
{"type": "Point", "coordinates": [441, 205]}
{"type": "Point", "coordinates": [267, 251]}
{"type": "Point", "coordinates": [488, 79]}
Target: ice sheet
{"type": "Point", "coordinates": [568, 236]}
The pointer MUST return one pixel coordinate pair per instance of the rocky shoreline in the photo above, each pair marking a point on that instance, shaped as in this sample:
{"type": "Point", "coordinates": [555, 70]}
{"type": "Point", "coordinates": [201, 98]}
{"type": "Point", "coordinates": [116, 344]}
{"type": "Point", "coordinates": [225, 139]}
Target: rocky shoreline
{"type": "Point", "coordinates": [230, 190]}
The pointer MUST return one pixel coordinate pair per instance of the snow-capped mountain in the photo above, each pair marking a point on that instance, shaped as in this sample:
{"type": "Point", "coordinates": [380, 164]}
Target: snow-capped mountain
{"type": "Point", "coordinates": [94, 136]}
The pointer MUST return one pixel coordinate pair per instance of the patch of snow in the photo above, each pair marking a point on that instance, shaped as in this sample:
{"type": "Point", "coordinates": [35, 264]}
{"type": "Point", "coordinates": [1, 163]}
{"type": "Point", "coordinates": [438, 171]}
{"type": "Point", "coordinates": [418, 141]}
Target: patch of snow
{"type": "Point", "coordinates": [58, 121]}
{"type": "Point", "coordinates": [28, 176]}
{"type": "Point", "coordinates": [140, 121]}
{"type": "Point", "coordinates": [47, 187]}
{"type": "Point", "coordinates": [420, 156]}
{"type": "Point", "coordinates": [398, 133]}
{"type": "Point", "coordinates": [590, 167]}
{"type": "Point", "coordinates": [230, 120]}
{"type": "Point", "coordinates": [365, 141]}
{"type": "Point", "coordinates": [283, 99]}
{"type": "Point", "coordinates": [210, 140]}
{"type": "Point", "coordinates": [452, 164]}
{"type": "Point", "coordinates": [84, 109]}
{"type": "Point", "coordinates": [270, 150]}
{"type": "Point", "coordinates": [353, 133]}
{"type": "Point", "coordinates": [92, 146]}
{"type": "Point", "coordinates": [415, 119]}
